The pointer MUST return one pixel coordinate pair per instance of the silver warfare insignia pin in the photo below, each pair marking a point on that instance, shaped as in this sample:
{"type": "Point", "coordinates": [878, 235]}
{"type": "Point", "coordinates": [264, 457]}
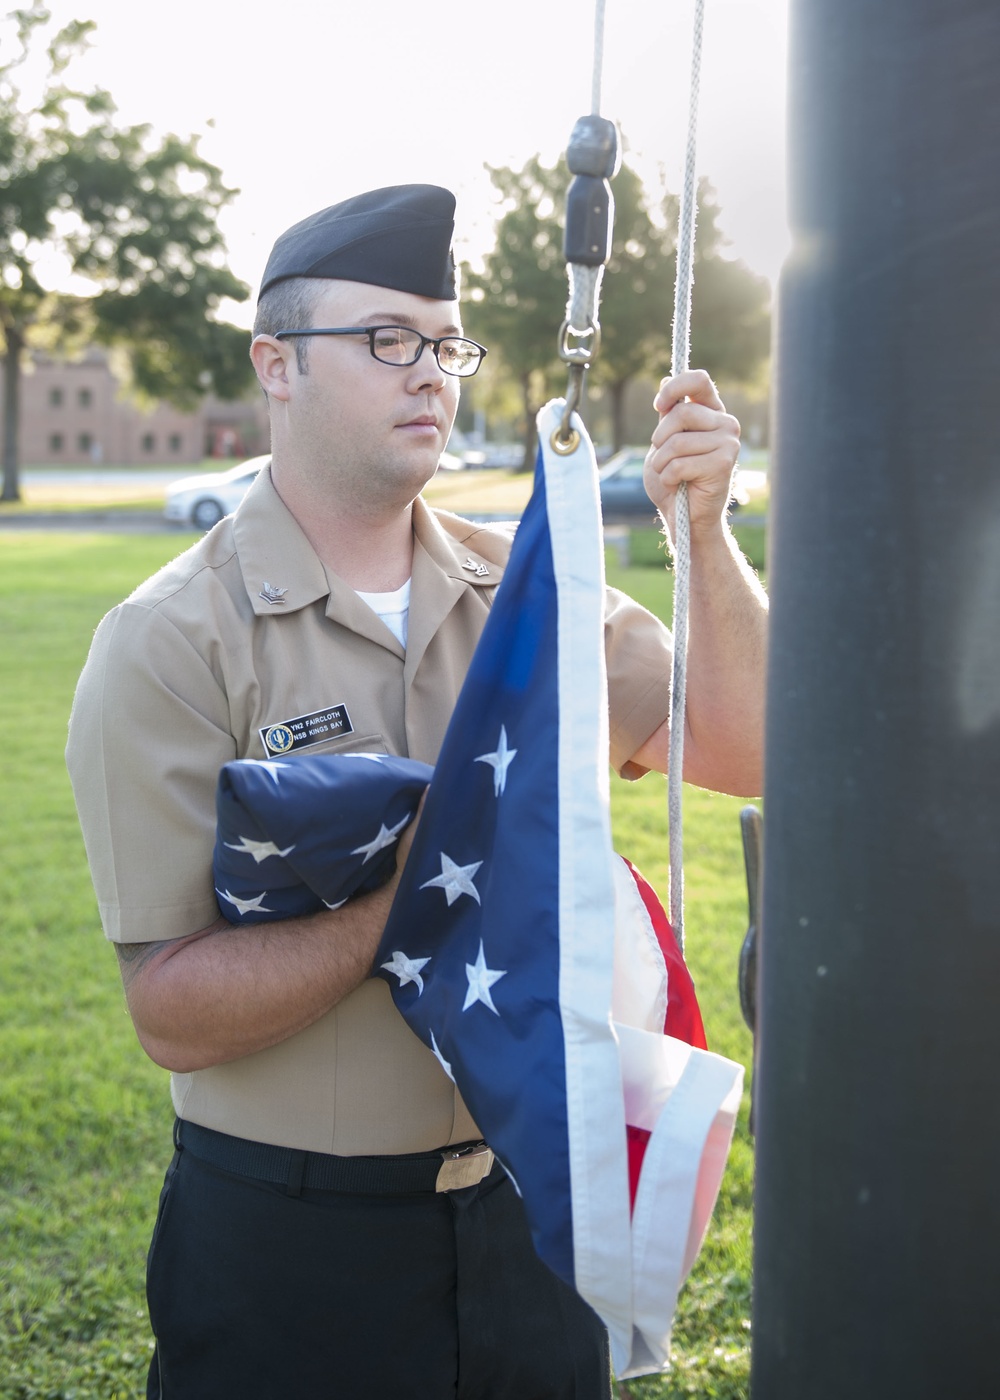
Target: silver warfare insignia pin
{"type": "Point", "coordinates": [270, 594]}
{"type": "Point", "coordinates": [480, 570]}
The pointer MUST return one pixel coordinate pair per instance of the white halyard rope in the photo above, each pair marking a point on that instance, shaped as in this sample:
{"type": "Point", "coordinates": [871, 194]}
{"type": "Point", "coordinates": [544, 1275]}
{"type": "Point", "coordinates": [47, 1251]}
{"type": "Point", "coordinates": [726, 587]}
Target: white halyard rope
{"type": "Point", "coordinates": [595, 88]}
{"type": "Point", "coordinates": [682, 526]}
{"type": "Point", "coordinates": [581, 317]}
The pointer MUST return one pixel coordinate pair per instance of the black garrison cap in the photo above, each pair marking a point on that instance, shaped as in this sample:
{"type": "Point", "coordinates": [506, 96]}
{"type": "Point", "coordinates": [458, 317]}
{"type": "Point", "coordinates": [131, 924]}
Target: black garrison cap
{"type": "Point", "coordinates": [397, 237]}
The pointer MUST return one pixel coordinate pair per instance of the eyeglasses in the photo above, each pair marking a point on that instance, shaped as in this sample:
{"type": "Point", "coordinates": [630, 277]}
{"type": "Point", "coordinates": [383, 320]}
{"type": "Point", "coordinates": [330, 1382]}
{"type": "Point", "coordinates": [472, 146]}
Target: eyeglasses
{"type": "Point", "coordinates": [401, 346]}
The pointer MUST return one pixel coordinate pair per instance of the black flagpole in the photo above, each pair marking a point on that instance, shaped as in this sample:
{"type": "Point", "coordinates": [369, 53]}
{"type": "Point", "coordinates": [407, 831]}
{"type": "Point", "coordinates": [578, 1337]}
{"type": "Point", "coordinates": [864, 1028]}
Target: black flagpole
{"type": "Point", "coordinates": [878, 1126]}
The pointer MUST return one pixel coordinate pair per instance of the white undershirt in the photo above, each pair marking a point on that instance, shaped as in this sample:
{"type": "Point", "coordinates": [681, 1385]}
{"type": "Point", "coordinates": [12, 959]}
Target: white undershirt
{"type": "Point", "coordinates": [393, 608]}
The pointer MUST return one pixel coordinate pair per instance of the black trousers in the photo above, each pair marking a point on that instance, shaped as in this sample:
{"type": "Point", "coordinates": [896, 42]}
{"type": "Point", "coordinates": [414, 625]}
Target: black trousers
{"type": "Point", "coordinates": [258, 1294]}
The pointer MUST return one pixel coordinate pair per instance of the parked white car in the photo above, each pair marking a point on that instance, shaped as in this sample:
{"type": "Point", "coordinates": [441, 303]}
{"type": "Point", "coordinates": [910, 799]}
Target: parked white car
{"type": "Point", "coordinates": [203, 500]}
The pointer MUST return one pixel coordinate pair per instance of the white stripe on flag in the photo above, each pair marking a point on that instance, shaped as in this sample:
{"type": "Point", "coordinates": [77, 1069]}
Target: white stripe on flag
{"type": "Point", "coordinates": [689, 1099]}
{"type": "Point", "coordinates": [596, 1121]}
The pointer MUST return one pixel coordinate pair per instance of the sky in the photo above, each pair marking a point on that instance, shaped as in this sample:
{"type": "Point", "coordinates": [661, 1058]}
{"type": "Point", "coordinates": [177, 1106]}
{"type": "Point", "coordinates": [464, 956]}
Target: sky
{"type": "Point", "coordinates": [301, 103]}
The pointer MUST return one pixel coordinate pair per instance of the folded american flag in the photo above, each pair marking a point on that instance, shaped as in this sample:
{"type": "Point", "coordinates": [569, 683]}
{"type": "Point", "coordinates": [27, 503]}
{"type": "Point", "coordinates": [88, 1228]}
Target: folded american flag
{"type": "Point", "coordinates": [519, 948]}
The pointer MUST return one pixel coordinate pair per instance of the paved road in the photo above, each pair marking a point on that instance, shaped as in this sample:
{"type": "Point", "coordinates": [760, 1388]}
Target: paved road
{"type": "Point", "coordinates": [103, 476]}
{"type": "Point", "coordinates": [100, 479]}
{"type": "Point", "coordinates": [120, 522]}
{"type": "Point", "coordinates": [94, 490]}
{"type": "Point", "coordinates": [150, 522]}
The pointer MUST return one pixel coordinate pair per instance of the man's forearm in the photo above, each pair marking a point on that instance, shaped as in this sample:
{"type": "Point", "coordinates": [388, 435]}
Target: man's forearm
{"type": "Point", "coordinates": [697, 443]}
{"type": "Point", "coordinates": [226, 992]}
{"type": "Point", "coordinates": [727, 663]}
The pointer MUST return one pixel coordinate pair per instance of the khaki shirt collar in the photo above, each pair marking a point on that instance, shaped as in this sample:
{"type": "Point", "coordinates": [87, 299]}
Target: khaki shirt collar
{"type": "Point", "coordinates": [448, 548]}
{"type": "Point", "coordinates": [282, 573]}
{"type": "Point", "coordinates": [443, 570]}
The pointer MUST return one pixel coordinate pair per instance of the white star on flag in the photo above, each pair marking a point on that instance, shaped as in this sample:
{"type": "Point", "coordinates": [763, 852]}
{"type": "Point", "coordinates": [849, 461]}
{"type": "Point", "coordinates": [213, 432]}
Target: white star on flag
{"type": "Point", "coordinates": [260, 850]}
{"type": "Point", "coordinates": [455, 879]}
{"type": "Point", "coordinates": [435, 1051]}
{"type": "Point", "coordinates": [386, 836]}
{"type": "Point", "coordinates": [407, 969]}
{"type": "Point", "coordinates": [481, 979]}
{"type": "Point", "coordinates": [500, 761]}
{"type": "Point", "coordinates": [246, 906]}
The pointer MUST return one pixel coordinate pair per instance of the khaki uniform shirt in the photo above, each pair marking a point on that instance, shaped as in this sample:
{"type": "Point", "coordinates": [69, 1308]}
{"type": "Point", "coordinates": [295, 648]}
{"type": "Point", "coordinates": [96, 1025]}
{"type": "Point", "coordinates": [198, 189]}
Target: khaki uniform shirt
{"type": "Point", "coordinates": [183, 677]}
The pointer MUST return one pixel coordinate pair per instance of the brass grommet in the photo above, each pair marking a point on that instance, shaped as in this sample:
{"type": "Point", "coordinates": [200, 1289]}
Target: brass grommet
{"type": "Point", "coordinates": [565, 446]}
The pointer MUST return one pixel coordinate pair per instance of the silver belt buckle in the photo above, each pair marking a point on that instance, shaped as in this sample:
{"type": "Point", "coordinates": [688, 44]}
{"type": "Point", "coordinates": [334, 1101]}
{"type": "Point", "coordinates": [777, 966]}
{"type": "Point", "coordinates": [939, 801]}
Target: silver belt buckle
{"type": "Point", "coordinates": [466, 1168]}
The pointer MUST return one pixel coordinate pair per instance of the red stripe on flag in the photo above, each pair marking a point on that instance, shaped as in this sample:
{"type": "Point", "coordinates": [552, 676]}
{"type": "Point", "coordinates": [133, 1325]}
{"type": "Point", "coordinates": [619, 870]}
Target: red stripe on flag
{"type": "Point", "coordinates": [683, 1019]}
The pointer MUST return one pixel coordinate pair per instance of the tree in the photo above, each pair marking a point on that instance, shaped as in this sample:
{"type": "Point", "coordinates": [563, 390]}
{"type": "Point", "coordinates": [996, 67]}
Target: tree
{"type": "Point", "coordinates": [133, 217]}
{"type": "Point", "coordinates": [730, 319]}
{"type": "Point", "coordinates": [730, 314]}
{"type": "Point", "coordinates": [637, 294]}
{"type": "Point", "coordinates": [518, 301]}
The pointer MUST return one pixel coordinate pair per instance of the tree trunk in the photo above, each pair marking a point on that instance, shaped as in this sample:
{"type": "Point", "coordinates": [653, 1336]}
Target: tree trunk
{"type": "Point", "coordinates": [617, 395]}
{"type": "Point", "coordinates": [11, 414]}
{"type": "Point", "coordinates": [530, 430]}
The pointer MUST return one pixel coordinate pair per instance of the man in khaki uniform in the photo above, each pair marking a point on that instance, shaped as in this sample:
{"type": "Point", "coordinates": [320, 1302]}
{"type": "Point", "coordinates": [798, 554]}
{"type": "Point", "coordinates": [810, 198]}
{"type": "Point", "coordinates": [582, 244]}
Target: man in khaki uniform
{"type": "Point", "coordinates": [304, 1245]}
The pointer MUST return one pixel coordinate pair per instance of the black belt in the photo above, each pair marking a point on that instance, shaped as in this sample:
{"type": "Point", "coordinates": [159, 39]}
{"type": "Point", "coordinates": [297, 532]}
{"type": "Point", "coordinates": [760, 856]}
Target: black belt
{"type": "Point", "coordinates": [449, 1169]}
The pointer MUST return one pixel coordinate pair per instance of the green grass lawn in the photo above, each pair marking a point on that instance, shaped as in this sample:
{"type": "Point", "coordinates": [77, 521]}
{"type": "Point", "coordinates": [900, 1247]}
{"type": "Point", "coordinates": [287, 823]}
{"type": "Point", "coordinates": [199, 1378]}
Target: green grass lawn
{"type": "Point", "coordinates": [85, 1118]}
{"type": "Point", "coordinates": [492, 492]}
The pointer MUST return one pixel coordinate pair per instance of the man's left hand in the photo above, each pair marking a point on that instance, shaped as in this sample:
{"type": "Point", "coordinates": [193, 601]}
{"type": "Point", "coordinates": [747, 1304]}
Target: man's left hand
{"type": "Point", "coordinates": [695, 441]}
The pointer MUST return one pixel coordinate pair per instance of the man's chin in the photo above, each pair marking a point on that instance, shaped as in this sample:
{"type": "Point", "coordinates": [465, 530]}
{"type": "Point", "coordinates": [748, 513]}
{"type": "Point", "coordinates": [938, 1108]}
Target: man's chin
{"type": "Point", "coordinates": [413, 470]}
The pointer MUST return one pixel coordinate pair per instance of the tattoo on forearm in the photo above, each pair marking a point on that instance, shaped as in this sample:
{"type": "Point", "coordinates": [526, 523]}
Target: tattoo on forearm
{"type": "Point", "coordinates": [133, 957]}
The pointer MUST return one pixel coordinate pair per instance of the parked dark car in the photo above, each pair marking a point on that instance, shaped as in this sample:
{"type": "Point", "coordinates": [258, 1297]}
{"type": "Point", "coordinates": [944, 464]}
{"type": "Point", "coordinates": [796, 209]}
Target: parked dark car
{"type": "Point", "coordinates": [623, 496]}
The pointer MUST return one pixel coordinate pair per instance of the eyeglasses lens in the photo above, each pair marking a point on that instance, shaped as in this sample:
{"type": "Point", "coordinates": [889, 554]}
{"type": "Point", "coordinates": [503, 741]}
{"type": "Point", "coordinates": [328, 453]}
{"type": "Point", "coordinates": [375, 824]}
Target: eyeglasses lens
{"type": "Point", "coordinates": [395, 345]}
{"type": "Point", "coordinates": [458, 357]}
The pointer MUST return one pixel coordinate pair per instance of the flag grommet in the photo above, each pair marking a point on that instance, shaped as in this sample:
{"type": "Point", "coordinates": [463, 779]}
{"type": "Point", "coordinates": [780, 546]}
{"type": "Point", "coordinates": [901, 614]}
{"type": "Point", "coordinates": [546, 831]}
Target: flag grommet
{"type": "Point", "coordinates": [565, 446]}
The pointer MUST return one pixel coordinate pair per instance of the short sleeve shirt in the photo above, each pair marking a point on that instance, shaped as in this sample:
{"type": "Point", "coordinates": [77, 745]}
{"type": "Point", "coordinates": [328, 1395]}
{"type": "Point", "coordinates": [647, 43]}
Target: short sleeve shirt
{"type": "Point", "coordinates": [246, 631]}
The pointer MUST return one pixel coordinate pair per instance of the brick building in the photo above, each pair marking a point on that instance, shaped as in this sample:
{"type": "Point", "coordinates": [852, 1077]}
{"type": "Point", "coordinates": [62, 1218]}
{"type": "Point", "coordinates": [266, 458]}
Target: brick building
{"type": "Point", "coordinates": [73, 413]}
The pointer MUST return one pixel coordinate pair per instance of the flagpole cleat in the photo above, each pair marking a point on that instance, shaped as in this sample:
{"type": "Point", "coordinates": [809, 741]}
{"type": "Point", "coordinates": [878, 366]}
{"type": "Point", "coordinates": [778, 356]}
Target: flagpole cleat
{"type": "Point", "coordinates": [752, 827]}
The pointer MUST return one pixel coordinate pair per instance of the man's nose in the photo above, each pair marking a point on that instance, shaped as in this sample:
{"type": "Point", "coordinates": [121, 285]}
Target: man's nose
{"type": "Point", "coordinates": [425, 371]}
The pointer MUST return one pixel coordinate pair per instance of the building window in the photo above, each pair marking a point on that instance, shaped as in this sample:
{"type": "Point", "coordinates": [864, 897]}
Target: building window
{"type": "Point", "coordinates": [85, 398]}
{"type": "Point", "coordinates": [84, 442]}
{"type": "Point", "coordinates": [175, 442]}
{"type": "Point", "coordinates": [55, 398]}
{"type": "Point", "coordinates": [148, 442]}
{"type": "Point", "coordinates": [55, 442]}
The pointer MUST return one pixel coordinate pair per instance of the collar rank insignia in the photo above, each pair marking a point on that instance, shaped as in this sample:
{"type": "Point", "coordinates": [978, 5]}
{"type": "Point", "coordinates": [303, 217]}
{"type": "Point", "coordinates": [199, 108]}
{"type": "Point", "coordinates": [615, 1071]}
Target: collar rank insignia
{"type": "Point", "coordinates": [270, 594]}
{"type": "Point", "coordinates": [480, 570]}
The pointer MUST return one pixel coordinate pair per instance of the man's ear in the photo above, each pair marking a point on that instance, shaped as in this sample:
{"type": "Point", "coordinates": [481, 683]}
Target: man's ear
{"type": "Point", "coordinates": [270, 359]}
